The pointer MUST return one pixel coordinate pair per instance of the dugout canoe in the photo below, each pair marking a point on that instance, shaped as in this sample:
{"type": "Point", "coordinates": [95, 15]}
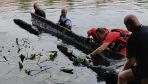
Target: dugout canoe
{"type": "Point", "coordinates": [69, 37]}
{"type": "Point", "coordinates": [40, 24]}
{"type": "Point", "coordinates": [63, 33]}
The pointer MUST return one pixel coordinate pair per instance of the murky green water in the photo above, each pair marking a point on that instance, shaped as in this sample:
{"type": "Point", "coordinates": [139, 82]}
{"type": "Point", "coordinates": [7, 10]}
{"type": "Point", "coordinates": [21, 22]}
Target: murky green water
{"type": "Point", "coordinates": [84, 14]}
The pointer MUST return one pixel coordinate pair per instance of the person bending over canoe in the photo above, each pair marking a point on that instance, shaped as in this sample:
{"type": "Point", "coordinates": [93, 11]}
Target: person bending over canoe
{"type": "Point", "coordinates": [136, 65]}
{"type": "Point", "coordinates": [64, 19]}
{"type": "Point", "coordinates": [113, 41]}
{"type": "Point", "coordinates": [39, 11]}
{"type": "Point", "coordinates": [92, 33]}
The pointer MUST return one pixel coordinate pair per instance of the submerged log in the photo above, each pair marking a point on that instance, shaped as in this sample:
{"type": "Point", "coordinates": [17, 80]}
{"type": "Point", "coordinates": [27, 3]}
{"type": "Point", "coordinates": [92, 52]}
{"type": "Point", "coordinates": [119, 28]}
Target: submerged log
{"type": "Point", "coordinates": [26, 26]}
{"type": "Point", "coordinates": [103, 71]}
{"type": "Point", "coordinates": [108, 73]}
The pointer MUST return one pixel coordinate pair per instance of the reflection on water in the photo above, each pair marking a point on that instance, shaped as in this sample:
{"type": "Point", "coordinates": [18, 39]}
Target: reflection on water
{"type": "Point", "coordinates": [84, 14]}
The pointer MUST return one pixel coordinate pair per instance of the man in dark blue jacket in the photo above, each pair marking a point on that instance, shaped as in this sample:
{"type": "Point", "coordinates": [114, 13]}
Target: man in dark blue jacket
{"type": "Point", "coordinates": [39, 11]}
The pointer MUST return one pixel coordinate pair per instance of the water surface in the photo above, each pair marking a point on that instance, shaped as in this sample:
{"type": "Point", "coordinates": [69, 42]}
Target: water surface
{"type": "Point", "coordinates": [84, 15]}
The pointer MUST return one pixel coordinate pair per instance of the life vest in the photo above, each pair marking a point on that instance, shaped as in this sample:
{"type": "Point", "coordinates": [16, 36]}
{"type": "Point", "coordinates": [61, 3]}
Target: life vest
{"type": "Point", "coordinates": [63, 23]}
{"type": "Point", "coordinates": [119, 43]}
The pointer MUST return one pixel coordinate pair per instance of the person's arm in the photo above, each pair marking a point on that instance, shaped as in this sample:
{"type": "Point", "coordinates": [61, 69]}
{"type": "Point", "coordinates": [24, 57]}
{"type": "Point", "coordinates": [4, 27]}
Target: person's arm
{"type": "Point", "coordinates": [100, 49]}
{"type": "Point", "coordinates": [108, 40]}
{"type": "Point", "coordinates": [68, 24]}
{"type": "Point", "coordinates": [129, 63]}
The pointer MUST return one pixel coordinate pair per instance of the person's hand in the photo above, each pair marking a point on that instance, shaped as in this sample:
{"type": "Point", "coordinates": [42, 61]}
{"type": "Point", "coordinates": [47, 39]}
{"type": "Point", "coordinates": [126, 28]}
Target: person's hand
{"type": "Point", "coordinates": [88, 56]}
{"type": "Point", "coordinates": [88, 39]}
{"type": "Point", "coordinates": [88, 59]}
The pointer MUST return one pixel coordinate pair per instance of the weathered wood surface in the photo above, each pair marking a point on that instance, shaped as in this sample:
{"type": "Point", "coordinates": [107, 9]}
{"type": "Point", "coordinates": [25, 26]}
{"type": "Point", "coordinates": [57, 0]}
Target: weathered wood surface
{"type": "Point", "coordinates": [69, 37]}
{"type": "Point", "coordinates": [63, 33]}
{"type": "Point", "coordinates": [26, 26]}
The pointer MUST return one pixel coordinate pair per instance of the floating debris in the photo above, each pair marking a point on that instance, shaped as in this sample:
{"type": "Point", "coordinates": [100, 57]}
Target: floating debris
{"type": "Point", "coordinates": [78, 60]}
{"type": "Point", "coordinates": [5, 58]}
{"type": "Point", "coordinates": [53, 55]}
{"type": "Point", "coordinates": [67, 70]}
{"type": "Point", "coordinates": [20, 66]}
{"type": "Point", "coordinates": [22, 57]}
{"type": "Point", "coordinates": [17, 43]}
{"type": "Point", "coordinates": [33, 57]}
{"type": "Point", "coordinates": [28, 72]}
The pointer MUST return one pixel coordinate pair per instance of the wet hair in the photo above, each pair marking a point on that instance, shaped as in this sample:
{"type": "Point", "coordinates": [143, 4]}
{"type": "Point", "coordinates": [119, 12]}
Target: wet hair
{"type": "Point", "coordinates": [100, 31]}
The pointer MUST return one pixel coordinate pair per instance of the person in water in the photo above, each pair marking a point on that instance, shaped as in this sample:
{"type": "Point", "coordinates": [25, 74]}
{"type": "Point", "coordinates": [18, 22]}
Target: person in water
{"type": "Point", "coordinates": [64, 19]}
{"type": "Point", "coordinates": [113, 41]}
{"type": "Point", "coordinates": [135, 67]}
{"type": "Point", "coordinates": [39, 11]}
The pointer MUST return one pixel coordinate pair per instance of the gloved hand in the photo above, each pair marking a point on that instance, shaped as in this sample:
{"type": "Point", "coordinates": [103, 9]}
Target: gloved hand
{"type": "Point", "coordinates": [88, 56]}
{"type": "Point", "coordinates": [88, 59]}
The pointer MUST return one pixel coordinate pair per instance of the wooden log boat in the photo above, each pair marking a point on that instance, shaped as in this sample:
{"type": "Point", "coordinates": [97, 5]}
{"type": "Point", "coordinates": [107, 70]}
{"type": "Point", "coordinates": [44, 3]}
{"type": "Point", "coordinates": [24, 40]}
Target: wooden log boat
{"type": "Point", "coordinates": [26, 26]}
{"type": "Point", "coordinates": [70, 37]}
{"type": "Point", "coordinates": [63, 33]}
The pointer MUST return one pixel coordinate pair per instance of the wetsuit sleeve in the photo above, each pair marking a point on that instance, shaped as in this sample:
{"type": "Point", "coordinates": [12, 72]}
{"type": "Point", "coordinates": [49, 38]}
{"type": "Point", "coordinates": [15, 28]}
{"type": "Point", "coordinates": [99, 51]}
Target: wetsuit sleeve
{"type": "Point", "coordinates": [111, 36]}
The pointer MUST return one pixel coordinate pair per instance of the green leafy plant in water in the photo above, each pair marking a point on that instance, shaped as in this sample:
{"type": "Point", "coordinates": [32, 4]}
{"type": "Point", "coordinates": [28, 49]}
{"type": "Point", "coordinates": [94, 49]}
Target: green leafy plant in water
{"type": "Point", "coordinates": [53, 55]}
{"type": "Point", "coordinates": [33, 57]}
{"type": "Point", "coordinates": [22, 57]}
{"type": "Point", "coordinates": [78, 60]}
{"type": "Point", "coordinates": [67, 70]}
{"type": "Point", "coordinates": [20, 66]}
{"type": "Point", "coordinates": [28, 72]}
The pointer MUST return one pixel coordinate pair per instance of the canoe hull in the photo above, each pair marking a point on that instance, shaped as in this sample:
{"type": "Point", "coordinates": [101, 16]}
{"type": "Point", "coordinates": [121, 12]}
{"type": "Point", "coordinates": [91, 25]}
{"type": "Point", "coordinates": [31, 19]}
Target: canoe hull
{"type": "Point", "coordinates": [63, 33]}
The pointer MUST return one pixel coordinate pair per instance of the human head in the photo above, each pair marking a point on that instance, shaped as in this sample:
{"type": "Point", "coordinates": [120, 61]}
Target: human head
{"type": "Point", "coordinates": [36, 6]}
{"type": "Point", "coordinates": [100, 33]}
{"type": "Point", "coordinates": [64, 12]}
{"type": "Point", "coordinates": [131, 22]}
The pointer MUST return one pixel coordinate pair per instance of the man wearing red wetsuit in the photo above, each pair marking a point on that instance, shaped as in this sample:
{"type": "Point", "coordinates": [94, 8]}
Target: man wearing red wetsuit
{"type": "Point", "coordinates": [114, 40]}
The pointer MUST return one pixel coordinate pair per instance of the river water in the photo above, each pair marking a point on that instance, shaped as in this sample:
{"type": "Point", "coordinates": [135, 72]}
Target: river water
{"type": "Point", "coordinates": [84, 14]}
